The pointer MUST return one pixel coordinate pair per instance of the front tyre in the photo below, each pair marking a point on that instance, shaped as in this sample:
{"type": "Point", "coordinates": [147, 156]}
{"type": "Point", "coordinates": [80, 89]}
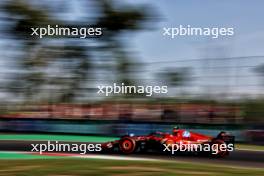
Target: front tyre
{"type": "Point", "coordinates": [127, 145]}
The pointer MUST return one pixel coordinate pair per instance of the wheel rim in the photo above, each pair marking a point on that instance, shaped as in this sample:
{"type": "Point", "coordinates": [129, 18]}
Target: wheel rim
{"type": "Point", "coordinates": [127, 145]}
{"type": "Point", "coordinates": [219, 152]}
{"type": "Point", "coordinates": [217, 148]}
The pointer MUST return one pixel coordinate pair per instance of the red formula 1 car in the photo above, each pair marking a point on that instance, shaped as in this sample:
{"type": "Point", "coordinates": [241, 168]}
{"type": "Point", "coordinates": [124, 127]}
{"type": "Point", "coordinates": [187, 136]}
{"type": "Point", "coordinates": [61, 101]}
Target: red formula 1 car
{"type": "Point", "coordinates": [179, 141]}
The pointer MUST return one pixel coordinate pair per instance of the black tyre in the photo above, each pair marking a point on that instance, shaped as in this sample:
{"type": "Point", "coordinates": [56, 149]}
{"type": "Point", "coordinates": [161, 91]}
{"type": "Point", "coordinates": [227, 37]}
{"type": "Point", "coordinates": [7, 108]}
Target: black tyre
{"type": "Point", "coordinates": [216, 150]}
{"type": "Point", "coordinates": [127, 145]}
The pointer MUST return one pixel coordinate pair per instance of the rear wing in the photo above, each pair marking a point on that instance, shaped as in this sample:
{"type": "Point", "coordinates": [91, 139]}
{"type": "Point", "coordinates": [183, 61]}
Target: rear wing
{"type": "Point", "coordinates": [227, 138]}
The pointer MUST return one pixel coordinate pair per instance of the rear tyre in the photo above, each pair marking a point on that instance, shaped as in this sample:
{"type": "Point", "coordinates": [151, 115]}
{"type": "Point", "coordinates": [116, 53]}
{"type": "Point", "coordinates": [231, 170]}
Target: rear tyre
{"type": "Point", "coordinates": [216, 150]}
{"type": "Point", "coordinates": [127, 145]}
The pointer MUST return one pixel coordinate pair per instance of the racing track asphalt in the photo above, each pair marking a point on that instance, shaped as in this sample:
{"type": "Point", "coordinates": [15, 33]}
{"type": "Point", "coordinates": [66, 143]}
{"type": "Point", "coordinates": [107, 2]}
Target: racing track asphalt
{"type": "Point", "coordinates": [236, 158]}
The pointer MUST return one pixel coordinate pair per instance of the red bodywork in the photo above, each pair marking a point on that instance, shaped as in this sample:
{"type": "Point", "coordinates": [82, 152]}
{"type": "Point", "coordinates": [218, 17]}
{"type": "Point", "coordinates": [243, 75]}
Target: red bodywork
{"type": "Point", "coordinates": [182, 136]}
{"type": "Point", "coordinates": [155, 141]}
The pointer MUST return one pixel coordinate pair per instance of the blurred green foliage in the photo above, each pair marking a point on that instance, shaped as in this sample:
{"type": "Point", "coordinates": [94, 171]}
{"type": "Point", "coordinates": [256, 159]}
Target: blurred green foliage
{"type": "Point", "coordinates": [73, 58]}
{"type": "Point", "coordinates": [118, 167]}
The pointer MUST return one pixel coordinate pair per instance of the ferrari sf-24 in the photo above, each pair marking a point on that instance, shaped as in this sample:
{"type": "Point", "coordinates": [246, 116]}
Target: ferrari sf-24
{"type": "Point", "coordinates": [180, 141]}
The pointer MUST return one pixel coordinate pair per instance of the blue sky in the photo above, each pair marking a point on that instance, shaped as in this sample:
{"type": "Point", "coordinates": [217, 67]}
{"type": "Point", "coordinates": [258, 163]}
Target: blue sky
{"type": "Point", "coordinates": [245, 16]}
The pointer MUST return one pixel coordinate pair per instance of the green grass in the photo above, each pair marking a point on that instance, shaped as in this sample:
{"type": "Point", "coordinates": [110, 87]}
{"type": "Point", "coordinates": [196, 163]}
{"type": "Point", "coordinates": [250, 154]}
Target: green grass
{"type": "Point", "coordinates": [51, 137]}
{"type": "Point", "coordinates": [15, 156]}
{"type": "Point", "coordinates": [249, 147]}
{"type": "Point", "coordinates": [95, 167]}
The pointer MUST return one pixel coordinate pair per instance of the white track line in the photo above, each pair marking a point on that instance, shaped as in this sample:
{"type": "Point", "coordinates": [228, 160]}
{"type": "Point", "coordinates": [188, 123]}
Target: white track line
{"type": "Point", "coordinates": [252, 150]}
{"type": "Point", "coordinates": [108, 157]}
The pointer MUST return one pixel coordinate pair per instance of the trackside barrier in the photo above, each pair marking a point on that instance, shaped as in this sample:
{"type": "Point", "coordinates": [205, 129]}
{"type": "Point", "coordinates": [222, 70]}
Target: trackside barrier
{"type": "Point", "coordinates": [117, 128]}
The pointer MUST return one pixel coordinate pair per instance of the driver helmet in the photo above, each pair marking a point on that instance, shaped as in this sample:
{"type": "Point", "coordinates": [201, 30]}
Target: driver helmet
{"type": "Point", "coordinates": [175, 130]}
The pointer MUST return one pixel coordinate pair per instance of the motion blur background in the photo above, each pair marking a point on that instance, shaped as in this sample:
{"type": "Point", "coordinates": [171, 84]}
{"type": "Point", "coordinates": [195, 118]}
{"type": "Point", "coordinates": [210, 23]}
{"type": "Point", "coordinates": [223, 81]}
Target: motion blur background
{"type": "Point", "coordinates": [50, 84]}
